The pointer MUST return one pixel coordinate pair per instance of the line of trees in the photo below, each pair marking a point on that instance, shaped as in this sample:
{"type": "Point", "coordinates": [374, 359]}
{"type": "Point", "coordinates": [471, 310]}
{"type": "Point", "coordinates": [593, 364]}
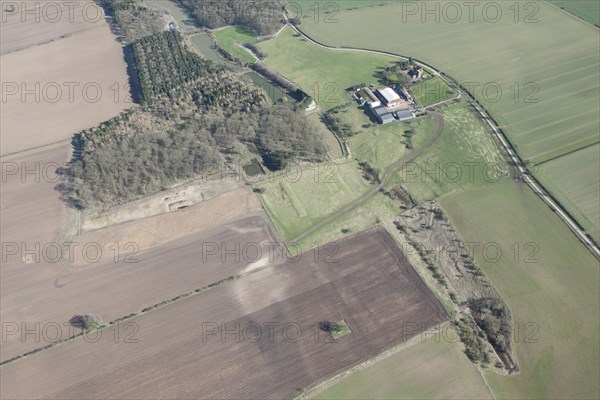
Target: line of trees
{"type": "Point", "coordinates": [261, 16]}
{"type": "Point", "coordinates": [140, 153]}
{"type": "Point", "coordinates": [164, 65]}
{"type": "Point", "coordinates": [132, 19]}
{"type": "Point", "coordinates": [195, 116]}
{"type": "Point", "coordinates": [475, 347]}
{"type": "Point", "coordinates": [169, 74]}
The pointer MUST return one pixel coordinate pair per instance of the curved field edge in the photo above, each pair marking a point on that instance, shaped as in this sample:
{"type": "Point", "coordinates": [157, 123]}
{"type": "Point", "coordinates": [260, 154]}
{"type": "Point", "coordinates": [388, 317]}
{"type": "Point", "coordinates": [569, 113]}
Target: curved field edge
{"type": "Point", "coordinates": [547, 108]}
{"type": "Point", "coordinates": [431, 366]}
{"type": "Point", "coordinates": [550, 282]}
{"type": "Point", "coordinates": [231, 38]}
{"type": "Point", "coordinates": [517, 215]}
{"type": "Point", "coordinates": [326, 80]}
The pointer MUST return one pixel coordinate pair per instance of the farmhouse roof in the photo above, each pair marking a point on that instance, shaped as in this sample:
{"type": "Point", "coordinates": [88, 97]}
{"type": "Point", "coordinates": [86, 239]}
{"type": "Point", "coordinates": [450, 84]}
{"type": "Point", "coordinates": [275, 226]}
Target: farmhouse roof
{"type": "Point", "coordinates": [389, 94]}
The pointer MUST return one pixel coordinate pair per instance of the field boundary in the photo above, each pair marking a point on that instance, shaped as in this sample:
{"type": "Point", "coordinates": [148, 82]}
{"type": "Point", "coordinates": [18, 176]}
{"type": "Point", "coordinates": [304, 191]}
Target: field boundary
{"type": "Point", "coordinates": [567, 153]}
{"type": "Point", "coordinates": [31, 150]}
{"type": "Point", "coordinates": [402, 262]}
{"type": "Point", "coordinates": [336, 378]}
{"type": "Point", "coordinates": [408, 158]}
{"type": "Point", "coordinates": [133, 315]}
{"type": "Point", "coordinates": [580, 18]}
{"type": "Point", "coordinates": [526, 175]}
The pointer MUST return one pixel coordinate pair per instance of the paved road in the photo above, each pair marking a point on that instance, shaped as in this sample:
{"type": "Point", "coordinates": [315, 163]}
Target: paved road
{"type": "Point", "coordinates": [384, 180]}
{"type": "Point", "coordinates": [527, 176]}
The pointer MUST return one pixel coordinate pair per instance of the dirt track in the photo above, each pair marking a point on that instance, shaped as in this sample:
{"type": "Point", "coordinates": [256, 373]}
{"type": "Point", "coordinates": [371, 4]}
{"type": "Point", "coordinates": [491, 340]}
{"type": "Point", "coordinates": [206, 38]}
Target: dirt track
{"type": "Point", "coordinates": [386, 176]}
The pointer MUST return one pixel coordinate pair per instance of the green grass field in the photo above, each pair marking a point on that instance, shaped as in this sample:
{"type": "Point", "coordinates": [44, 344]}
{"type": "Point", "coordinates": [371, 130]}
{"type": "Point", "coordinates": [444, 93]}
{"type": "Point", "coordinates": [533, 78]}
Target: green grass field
{"type": "Point", "coordinates": [302, 197]}
{"type": "Point", "coordinates": [373, 211]}
{"type": "Point", "coordinates": [541, 77]}
{"type": "Point", "coordinates": [432, 369]}
{"type": "Point", "coordinates": [579, 189]}
{"type": "Point", "coordinates": [381, 146]}
{"type": "Point", "coordinates": [228, 39]}
{"type": "Point", "coordinates": [555, 299]}
{"type": "Point", "coordinates": [431, 91]}
{"type": "Point", "coordinates": [567, 78]}
{"type": "Point", "coordinates": [296, 206]}
{"type": "Point", "coordinates": [356, 118]}
{"type": "Point", "coordinates": [465, 156]}
{"type": "Point", "coordinates": [551, 284]}
{"type": "Point", "coordinates": [586, 9]}
{"type": "Point", "coordinates": [323, 74]}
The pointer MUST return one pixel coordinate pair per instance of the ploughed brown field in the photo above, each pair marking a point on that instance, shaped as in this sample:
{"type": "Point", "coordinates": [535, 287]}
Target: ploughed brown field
{"type": "Point", "coordinates": [30, 23]}
{"type": "Point", "coordinates": [31, 212]}
{"type": "Point", "coordinates": [115, 288]}
{"type": "Point", "coordinates": [39, 287]}
{"type": "Point", "coordinates": [53, 90]}
{"type": "Point", "coordinates": [255, 337]}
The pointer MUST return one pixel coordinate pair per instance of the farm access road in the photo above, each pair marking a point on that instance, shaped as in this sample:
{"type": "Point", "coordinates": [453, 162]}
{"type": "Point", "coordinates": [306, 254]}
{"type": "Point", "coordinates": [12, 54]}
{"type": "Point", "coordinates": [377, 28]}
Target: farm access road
{"type": "Point", "coordinates": [515, 159]}
{"type": "Point", "coordinates": [410, 157]}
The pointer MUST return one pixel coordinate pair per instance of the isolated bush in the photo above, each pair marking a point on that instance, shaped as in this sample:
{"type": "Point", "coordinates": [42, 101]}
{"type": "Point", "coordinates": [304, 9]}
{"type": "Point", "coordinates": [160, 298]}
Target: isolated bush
{"type": "Point", "coordinates": [330, 327]}
{"type": "Point", "coordinates": [85, 322]}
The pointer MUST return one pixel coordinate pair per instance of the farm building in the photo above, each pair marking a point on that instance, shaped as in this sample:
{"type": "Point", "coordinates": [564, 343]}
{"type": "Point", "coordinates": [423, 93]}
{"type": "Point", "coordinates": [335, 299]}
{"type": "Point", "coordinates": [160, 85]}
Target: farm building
{"type": "Point", "coordinates": [370, 94]}
{"type": "Point", "coordinates": [389, 97]}
{"type": "Point", "coordinates": [405, 94]}
{"type": "Point", "coordinates": [416, 73]}
{"type": "Point", "coordinates": [405, 114]}
{"type": "Point", "coordinates": [382, 114]}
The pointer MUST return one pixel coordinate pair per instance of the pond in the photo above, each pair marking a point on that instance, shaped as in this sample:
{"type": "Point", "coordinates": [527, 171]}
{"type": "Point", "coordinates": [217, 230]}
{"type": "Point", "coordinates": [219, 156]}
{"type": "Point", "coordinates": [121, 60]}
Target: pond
{"type": "Point", "coordinates": [204, 44]}
{"type": "Point", "coordinates": [274, 92]}
{"type": "Point", "coordinates": [253, 168]}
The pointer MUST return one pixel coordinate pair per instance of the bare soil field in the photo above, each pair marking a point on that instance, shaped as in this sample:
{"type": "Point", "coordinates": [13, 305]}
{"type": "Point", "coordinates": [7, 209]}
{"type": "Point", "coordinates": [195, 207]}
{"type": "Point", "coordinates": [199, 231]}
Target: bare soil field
{"type": "Point", "coordinates": [37, 22]}
{"type": "Point", "coordinates": [256, 337]}
{"type": "Point", "coordinates": [39, 284]}
{"type": "Point", "coordinates": [31, 212]}
{"type": "Point", "coordinates": [130, 281]}
{"type": "Point", "coordinates": [59, 88]}
{"type": "Point", "coordinates": [178, 198]}
{"type": "Point", "coordinates": [153, 231]}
